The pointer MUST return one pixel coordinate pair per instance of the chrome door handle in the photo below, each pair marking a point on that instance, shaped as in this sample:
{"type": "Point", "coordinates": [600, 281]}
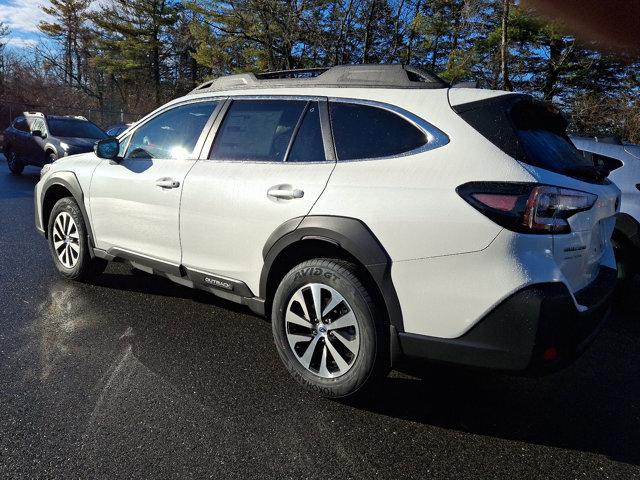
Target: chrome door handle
{"type": "Point", "coordinates": [285, 193]}
{"type": "Point", "coordinates": [167, 183]}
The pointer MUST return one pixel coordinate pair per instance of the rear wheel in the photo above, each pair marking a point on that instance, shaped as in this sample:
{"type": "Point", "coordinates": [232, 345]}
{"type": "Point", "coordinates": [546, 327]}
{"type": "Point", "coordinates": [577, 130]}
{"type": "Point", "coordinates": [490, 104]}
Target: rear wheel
{"type": "Point", "coordinates": [16, 166]}
{"type": "Point", "coordinates": [51, 157]}
{"type": "Point", "coordinates": [327, 329]}
{"type": "Point", "coordinates": [68, 243]}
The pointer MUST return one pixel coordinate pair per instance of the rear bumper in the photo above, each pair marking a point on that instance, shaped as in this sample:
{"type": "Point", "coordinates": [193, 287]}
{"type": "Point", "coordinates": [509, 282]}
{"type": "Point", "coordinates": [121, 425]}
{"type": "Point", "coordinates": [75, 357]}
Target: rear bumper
{"type": "Point", "coordinates": [536, 329]}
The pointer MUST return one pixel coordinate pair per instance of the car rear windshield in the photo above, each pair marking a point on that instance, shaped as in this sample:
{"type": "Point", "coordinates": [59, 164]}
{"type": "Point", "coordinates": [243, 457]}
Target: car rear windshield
{"type": "Point", "coordinates": [541, 132]}
{"type": "Point", "coordinates": [68, 127]}
{"type": "Point", "coordinates": [530, 131]}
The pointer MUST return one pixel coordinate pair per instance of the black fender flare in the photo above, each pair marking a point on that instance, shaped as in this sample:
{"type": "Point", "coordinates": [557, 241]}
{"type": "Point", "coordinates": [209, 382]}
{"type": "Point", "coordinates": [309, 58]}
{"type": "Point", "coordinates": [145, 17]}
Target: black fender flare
{"type": "Point", "coordinates": [351, 235]}
{"type": "Point", "coordinates": [69, 181]}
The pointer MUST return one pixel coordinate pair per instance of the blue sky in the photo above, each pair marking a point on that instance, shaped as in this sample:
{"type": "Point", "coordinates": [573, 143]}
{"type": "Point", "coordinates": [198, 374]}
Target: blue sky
{"type": "Point", "coordinates": [22, 17]}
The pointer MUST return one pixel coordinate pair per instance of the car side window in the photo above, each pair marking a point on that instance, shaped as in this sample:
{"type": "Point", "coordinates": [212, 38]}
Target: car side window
{"type": "Point", "coordinates": [364, 131]}
{"type": "Point", "coordinates": [257, 130]}
{"type": "Point", "coordinates": [21, 124]}
{"type": "Point", "coordinates": [172, 134]}
{"type": "Point", "coordinates": [308, 145]}
{"type": "Point", "coordinates": [38, 124]}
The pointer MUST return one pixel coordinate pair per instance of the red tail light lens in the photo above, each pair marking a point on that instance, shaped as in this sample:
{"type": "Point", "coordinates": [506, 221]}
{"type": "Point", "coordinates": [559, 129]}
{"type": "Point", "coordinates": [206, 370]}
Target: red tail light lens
{"type": "Point", "coordinates": [527, 207]}
{"type": "Point", "coordinates": [505, 203]}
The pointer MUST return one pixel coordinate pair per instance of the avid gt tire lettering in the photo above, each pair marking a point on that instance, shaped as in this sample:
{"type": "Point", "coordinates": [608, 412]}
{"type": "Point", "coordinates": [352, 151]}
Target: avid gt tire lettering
{"type": "Point", "coordinates": [315, 271]}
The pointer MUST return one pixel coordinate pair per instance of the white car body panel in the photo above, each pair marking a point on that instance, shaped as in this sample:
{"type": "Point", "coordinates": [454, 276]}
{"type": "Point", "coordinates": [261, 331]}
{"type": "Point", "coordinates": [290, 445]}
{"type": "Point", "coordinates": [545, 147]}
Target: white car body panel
{"type": "Point", "coordinates": [226, 216]}
{"type": "Point", "coordinates": [130, 212]}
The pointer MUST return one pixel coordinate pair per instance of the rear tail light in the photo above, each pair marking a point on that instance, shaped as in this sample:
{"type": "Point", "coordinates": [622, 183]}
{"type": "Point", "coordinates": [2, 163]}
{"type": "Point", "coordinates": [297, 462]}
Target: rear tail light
{"type": "Point", "coordinates": [527, 207]}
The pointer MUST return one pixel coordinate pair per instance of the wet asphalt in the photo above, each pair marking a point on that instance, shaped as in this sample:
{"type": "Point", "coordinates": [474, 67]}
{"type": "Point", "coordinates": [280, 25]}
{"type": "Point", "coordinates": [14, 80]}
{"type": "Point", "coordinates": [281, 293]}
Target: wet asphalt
{"type": "Point", "coordinates": [135, 377]}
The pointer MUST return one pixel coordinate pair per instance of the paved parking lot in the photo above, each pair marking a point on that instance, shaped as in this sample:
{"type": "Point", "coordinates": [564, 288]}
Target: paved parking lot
{"type": "Point", "coordinates": [135, 377]}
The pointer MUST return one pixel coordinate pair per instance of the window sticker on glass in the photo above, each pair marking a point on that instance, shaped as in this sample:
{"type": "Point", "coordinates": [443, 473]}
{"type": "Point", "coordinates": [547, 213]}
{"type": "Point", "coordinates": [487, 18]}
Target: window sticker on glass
{"type": "Point", "coordinates": [257, 130]}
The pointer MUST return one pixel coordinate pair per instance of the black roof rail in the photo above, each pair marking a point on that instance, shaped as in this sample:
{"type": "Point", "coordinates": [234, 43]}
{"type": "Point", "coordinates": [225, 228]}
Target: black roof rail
{"type": "Point", "coordinates": [367, 76]}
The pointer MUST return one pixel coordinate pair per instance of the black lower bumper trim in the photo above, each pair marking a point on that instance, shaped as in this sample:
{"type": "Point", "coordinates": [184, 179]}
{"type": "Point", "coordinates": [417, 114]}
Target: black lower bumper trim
{"type": "Point", "coordinates": [538, 328]}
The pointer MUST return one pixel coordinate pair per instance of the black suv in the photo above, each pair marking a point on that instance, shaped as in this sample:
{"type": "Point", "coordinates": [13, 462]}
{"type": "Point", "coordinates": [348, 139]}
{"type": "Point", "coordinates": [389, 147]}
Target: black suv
{"type": "Point", "coordinates": [35, 139]}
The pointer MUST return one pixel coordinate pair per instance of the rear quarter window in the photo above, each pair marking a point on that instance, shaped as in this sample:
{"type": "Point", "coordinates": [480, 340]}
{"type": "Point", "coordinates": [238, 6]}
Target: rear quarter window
{"type": "Point", "coordinates": [366, 132]}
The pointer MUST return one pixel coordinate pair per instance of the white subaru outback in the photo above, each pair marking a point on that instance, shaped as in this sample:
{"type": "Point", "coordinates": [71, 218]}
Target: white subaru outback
{"type": "Point", "coordinates": [372, 212]}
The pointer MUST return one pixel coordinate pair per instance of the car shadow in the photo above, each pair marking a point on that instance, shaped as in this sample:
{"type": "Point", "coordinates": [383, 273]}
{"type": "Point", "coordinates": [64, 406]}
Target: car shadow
{"type": "Point", "coordinates": [220, 353]}
{"type": "Point", "coordinates": [141, 282]}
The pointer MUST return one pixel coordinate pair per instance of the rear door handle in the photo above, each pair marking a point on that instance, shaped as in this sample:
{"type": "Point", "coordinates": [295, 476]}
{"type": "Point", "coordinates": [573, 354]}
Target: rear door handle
{"type": "Point", "coordinates": [285, 192]}
{"type": "Point", "coordinates": [167, 182]}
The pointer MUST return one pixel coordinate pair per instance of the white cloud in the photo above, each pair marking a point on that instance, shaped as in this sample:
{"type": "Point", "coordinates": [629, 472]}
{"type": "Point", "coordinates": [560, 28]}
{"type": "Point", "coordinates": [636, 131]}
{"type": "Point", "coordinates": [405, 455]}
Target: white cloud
{"type": "Point", "coordinates": [22, 16]}
{"type": "Point", "coordinates": [19, 42]}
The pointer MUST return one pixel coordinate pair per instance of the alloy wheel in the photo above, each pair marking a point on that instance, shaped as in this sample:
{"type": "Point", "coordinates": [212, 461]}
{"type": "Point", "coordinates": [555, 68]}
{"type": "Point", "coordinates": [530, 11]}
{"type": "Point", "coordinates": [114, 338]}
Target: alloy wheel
{"type": "Point", "coordinates": [66, 240]}
{"type": "Point", "coordinates": [322, 330]}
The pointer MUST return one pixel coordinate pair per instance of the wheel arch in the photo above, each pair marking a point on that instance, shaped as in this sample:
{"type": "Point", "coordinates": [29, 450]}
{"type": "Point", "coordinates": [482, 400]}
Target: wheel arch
{"type": "Point", "coordinates": [347, 238]}
{"type": "Point", "coordinates": [64, 184]}
{"type": "Point", "coordinates": [50, 148]}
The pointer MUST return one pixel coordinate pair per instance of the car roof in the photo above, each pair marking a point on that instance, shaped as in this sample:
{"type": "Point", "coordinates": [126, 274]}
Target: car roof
{"type": "Point", "coordinates": [67, 117]}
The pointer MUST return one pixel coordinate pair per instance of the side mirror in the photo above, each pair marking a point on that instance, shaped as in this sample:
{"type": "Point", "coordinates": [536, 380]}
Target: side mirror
{"type": "Point", "coordinates": [38, 133]}
{"type": "Point", "coordinates": [107, 148]}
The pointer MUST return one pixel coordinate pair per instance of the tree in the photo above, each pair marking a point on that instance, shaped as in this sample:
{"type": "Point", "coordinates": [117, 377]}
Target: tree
{"type": "Point", "coordinates": [504, 46]}
{"type": "Point", "coordinates": [69, 30]}
{"type": "Point", "coordinates": [133, 41]}
{"type": "Point", "coordinates": [4, 33]}
{"type": "Point", "coordinates": [135, 54]}
{"type": "Point", "coordinates": [260, 35]}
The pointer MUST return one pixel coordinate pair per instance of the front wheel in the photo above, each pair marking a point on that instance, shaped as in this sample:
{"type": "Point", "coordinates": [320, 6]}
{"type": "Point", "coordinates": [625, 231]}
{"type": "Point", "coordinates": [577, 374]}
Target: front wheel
{"type": "Point", "coordinates": [16, 166]}
{"type": "Point", "coordinates": [67, 235]}
{"type": "Point", "coordinates": [327, 330]}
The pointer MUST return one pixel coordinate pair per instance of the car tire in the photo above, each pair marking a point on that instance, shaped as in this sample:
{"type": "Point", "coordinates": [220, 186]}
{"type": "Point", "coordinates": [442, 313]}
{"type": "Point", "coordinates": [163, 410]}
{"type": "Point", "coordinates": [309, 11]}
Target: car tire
{"type": "Point", "coordinates": [51, 157]}
{"type": "Point", "coordinates": [15, 164]}
{"type": "Point", "coordinates": [68, 243]}
{"type": "Point", "coordinates": [325, 365]}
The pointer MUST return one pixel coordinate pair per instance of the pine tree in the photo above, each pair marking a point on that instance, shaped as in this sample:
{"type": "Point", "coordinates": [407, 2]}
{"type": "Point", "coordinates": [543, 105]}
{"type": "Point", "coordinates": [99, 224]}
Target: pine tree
{"type": "Point", "coordinates": [68, 28]}
{"type": "Point", "coordinates": [133, 41]}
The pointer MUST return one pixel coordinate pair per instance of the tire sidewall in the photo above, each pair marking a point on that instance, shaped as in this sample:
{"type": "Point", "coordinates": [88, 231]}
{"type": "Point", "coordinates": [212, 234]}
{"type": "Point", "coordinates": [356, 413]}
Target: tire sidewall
{"type": "Point", "coordinates": [14, 163]}
{"type": "Point", "coordinates": [70, 206]}
{"type": "Point", "coordinates": [326, 273]}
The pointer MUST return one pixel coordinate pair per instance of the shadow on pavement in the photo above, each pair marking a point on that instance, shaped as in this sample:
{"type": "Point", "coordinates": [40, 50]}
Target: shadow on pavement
{"type": "Point", "coordinates": [227, 359]}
